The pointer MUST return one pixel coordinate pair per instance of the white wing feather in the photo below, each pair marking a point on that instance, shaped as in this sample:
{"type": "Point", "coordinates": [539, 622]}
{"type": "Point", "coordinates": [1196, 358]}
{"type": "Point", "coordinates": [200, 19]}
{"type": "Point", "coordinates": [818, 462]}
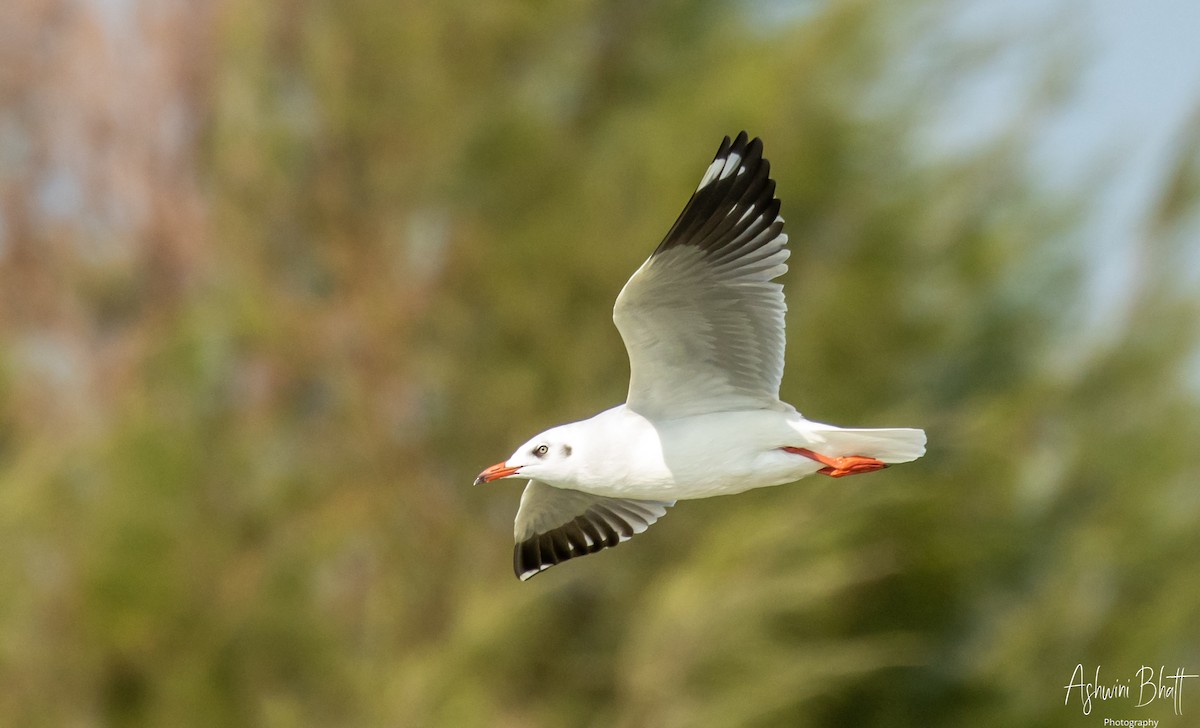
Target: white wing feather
{"type": "Point", "coordinates": [702, 319]}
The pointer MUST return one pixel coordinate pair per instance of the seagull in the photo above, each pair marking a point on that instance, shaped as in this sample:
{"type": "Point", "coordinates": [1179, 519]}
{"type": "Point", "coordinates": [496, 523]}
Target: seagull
{"type": "Point", "coordinates": [703, 323]}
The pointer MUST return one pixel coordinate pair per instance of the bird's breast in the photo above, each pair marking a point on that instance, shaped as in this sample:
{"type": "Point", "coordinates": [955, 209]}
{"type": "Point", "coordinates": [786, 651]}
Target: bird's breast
{"type": "Point", "coordinates": [694, 457]}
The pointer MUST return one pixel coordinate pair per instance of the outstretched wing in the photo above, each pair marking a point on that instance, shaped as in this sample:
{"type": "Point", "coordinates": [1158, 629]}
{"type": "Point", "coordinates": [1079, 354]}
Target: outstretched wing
{"type": "Point", "coordinates": [703, 319]}
{"type": "Point", "coordinates": [554, 525]}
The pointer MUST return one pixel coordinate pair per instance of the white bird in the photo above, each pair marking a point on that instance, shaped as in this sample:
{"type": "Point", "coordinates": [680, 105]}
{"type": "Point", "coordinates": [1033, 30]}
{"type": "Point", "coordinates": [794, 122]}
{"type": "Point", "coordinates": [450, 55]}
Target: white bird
{"type": "Point", "coordinates": [702, 321]}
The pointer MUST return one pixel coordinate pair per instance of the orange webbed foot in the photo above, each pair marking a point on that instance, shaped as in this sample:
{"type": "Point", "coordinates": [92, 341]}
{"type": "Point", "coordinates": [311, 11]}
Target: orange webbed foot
{"type": "Point", "coordinates": [836, 467]}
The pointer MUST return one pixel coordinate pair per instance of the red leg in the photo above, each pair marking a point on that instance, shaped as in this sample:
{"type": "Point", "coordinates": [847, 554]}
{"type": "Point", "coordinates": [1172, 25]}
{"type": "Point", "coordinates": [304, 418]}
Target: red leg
{"type": "Point", "coordinates": [837, 467]}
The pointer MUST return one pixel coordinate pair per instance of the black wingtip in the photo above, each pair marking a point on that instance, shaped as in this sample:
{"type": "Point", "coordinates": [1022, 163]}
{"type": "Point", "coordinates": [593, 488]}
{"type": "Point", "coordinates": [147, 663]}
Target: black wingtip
{"type": "Point", "coordinates": [579, 537]}
{"type": "Point", "coordinates": [597, 529]}
{"type": "Point", "coordinates": [744, 144]}
{"type": "Point", "coordinates": [707, 221]}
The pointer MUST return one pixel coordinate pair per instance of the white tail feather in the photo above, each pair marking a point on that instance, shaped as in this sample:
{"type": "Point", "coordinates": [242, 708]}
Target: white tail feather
{"type": "Point", "coordinates": [891, 445]}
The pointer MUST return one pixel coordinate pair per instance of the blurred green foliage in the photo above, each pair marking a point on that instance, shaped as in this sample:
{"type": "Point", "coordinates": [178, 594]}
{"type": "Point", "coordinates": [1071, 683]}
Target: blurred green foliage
{"type": "Point", "coordinates": [421, 214]}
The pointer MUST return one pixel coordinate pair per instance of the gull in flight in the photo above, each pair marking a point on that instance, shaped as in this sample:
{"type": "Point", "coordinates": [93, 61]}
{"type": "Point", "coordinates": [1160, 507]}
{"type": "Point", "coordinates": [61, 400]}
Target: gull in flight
{"type": "Point", "coordinates": [702, 322]}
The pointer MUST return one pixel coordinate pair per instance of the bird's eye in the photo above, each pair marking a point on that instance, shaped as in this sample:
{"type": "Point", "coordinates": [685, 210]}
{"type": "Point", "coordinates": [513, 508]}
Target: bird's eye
{"type": "Point", "coordinates": [541, 450]}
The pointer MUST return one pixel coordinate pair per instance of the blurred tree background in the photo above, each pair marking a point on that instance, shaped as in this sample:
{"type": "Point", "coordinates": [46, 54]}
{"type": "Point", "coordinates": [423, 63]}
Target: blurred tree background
{"type": "Point", "coordinates": [279, 279]}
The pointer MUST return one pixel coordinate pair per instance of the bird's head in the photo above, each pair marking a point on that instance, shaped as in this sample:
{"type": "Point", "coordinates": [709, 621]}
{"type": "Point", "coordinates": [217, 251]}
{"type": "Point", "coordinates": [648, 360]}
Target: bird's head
{"type": "Point", "coordinates": [547, 457]}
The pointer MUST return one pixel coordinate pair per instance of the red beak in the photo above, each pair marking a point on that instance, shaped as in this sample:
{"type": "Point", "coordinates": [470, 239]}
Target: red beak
{"type": "Point", "coordinates": [499, 470]}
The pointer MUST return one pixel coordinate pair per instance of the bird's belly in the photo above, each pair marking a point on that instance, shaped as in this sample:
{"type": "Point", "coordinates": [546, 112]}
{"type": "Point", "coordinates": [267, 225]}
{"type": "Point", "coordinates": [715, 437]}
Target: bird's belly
{"type": "Point", "coordinates": [702, 457]}
{"type": "Point", "coordinates": [727, 472]}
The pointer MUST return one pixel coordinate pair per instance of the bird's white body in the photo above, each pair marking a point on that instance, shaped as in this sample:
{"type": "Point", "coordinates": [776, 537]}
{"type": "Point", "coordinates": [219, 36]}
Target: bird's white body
{"type": "Point", "coordinates": [621, 454]}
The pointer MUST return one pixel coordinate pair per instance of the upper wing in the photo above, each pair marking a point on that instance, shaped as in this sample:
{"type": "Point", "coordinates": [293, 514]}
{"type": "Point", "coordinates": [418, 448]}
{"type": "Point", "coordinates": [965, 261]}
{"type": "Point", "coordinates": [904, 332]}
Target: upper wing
{"type": "Point", "coordinates": [554, 525]}
{"type": "Point", "coordinates": [702, 319]}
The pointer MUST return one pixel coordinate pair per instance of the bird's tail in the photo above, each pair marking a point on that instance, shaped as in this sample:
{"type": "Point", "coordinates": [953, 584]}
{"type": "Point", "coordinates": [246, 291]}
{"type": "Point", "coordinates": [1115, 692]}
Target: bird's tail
{"type": "Point", "coordinates": [891, 445]}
